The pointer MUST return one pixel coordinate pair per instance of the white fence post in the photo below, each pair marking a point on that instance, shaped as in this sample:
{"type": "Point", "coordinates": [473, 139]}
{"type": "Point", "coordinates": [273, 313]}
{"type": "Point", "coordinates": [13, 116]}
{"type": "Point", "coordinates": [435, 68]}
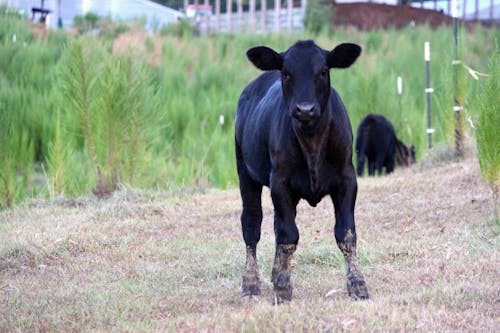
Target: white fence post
{"type": "Point", "coordinates": [252, 15]}
{"type": "Point", "coordinates": [240, 15]}
{"type": "Point", "coordinates": [277, 15]}
{"type": "Point", "coordinates": [428, 91]}
{"type": "Point", "coordinates": [229, 11]}
{"type": "Point", "coordinates": [289, 4]}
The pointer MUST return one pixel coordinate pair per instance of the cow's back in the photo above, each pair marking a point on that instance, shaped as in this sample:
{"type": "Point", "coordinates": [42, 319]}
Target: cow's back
{"type": "Point", "coordinates": [253, 123]}
{"type": "Point", "coordinates": [375, 134]}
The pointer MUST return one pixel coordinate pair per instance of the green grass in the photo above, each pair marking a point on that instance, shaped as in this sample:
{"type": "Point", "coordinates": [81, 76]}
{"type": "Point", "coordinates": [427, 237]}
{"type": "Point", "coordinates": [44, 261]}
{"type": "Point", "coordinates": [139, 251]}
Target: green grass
{"type": "Point", "coordinates": [191, 82]}
{"type": "Point", "coordinates": [488, 141]}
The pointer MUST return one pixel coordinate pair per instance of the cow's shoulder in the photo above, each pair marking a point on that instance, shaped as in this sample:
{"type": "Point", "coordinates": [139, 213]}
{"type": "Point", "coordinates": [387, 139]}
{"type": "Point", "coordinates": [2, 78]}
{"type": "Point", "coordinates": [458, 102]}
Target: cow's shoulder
{"type": "Point", "coordinates": [339, 117]}
{"type": "Point", "coordinates": [259, 87]}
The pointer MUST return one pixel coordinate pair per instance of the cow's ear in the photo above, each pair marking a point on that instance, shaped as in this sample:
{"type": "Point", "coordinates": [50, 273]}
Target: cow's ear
{"type": "Point", "coordinates": [343, 56]}
{"type": "Point", "coordinates": [265, 58]}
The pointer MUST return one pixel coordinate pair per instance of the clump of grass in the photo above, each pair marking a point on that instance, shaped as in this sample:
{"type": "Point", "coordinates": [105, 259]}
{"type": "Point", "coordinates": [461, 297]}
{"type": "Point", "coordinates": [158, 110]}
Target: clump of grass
{"type": "Point", "coordinates": [182, 28]}
{"type": "Point", "coordinates": [16, 148]}
{"type": "Point", "coordinates": [318, 17]}
{"type": "Point", "coordinates": [113, 107]}
{"type": "Point", "coordinates": [488, 140]}
{"type": "Point", "coordinates": [86, 23]}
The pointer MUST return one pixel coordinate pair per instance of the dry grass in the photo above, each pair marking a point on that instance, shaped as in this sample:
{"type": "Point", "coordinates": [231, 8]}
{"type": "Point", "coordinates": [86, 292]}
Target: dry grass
{"type": "Point", "coordinates": [173, 262]}
{"type": "Point", "coordinates": [134, 42]}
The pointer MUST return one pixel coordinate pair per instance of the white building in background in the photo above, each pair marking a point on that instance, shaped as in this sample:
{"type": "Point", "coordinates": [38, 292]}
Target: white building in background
{"type": "Point", "coordinates": [153, 13]}
{"type": "Point", "coordinates": [201, 10]}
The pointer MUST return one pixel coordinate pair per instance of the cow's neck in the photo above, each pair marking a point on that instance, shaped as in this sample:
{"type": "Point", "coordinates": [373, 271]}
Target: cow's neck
{"type": "Point", "coordinates": [313, 143]}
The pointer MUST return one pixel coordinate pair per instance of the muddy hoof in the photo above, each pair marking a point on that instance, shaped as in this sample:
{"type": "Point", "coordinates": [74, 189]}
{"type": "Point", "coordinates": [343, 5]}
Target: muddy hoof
{"type": "Point", "coordinates": [250, 287]}
{"type": "Point", "coordinates": [357, 289]}
{"type": "Point", "coordinates": [282, 288]}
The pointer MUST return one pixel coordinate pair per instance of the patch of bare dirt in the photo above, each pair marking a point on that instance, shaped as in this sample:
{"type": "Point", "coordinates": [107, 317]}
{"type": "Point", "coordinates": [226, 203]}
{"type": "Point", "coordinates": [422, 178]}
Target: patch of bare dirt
{"type": "Point", "coordinates": [369, 16]}
{"type": "Point", "coordinates": [136, 42]}
{"type": "Point", "coordinates": [39, 30]}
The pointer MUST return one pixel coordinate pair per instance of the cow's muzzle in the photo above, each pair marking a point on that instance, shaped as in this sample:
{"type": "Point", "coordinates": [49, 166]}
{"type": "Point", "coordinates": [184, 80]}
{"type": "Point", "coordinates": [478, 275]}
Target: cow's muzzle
{"type": "Point", "coordinates": [304, 112]}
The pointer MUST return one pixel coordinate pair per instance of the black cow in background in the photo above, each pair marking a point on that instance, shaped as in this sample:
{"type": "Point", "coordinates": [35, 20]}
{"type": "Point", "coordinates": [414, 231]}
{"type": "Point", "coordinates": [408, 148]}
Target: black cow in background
{"type": "Point", "coordinates": [294, 136]}
{"type": "Point", "coordinates": [376, 142]}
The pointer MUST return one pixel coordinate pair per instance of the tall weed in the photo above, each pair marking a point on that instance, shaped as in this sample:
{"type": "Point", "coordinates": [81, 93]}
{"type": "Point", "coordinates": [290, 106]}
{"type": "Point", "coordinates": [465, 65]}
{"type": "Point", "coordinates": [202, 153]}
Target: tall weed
{"type": "Point", "coordinates": [487, 135]}
{"type": "Point", "coordinates": [112, 114]}
{"type": "Point", "coordinates": [16, 147]}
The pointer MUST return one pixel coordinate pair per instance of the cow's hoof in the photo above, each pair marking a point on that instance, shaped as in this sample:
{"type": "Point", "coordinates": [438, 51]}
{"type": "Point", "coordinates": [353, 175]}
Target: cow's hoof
{"type": "Point", "coordinates": [250, 287]}
{"type": "Point", "coordinates": [282, 288]}
{"type": "Point", "coordinates": [357, 289]}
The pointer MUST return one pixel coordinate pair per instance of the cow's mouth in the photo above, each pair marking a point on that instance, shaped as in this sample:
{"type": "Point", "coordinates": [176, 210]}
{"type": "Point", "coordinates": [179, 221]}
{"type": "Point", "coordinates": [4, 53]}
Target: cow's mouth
{"type": "Point", "coordinates": [304, 117]}
{"type": "Point", "coordinates": [306, 122]}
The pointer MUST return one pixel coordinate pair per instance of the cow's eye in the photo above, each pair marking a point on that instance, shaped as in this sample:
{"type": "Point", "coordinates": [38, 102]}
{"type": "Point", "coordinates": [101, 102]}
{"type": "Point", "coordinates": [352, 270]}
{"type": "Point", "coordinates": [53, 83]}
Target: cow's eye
{"type": "Point", "coordinates": [324, 73]}
{"type": "Point", "coordinates": [286, 76]}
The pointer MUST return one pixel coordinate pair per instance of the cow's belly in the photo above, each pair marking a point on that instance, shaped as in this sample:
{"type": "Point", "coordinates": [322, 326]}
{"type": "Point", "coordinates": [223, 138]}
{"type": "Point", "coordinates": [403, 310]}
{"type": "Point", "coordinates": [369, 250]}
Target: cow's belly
{"type": "Point", "coordinates": [257, 163]}
{"type": "Point", "coordinates": [259, 171]}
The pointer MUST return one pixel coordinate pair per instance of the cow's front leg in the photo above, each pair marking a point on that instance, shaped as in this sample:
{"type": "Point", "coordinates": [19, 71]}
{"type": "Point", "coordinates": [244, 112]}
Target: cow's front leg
{"type": "Point", "coordinates": [251, 220]}
{"type": "Point", "coordinates": [287, 237]}
{"type": "Point", "coordinates": [251, 283]}
{"type": "Point", "coordinates": [345, 234]}
{"type": "Point", "coordinates": [281, 275]}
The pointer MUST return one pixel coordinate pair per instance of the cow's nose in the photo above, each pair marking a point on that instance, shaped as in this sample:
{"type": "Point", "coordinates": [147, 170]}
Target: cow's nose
{"type": "Point", "coordinates": [304, 111]}
{"type": "Point", "coordinates": [305, 108]}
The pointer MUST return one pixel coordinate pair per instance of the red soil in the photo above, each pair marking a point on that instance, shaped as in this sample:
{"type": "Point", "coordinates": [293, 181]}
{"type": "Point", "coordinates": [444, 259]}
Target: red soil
{"type": "Point", "coordinates": [369, 16]}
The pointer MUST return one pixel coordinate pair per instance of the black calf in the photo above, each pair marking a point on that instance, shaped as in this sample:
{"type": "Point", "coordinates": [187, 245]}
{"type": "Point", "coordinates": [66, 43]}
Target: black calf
{"type": "Point", "coordinates": [376, 142]}
{"type": "Point", "coordinates": [293, 135]}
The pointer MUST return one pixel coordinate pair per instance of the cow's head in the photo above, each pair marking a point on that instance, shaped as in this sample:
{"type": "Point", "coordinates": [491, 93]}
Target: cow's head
{"type": "Point", "coordinates": [305, 74]}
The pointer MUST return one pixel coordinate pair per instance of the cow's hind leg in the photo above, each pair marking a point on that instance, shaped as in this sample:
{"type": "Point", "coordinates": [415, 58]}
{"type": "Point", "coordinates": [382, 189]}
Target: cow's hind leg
{"type": "Point", "coordinates": [371, 167]}
{"type": "Point", "coordinates": [389, 165]}
{"type": "Point", "coordinates": [379, 163]}
{"type": "Point", "coordinates": [251, 220]}
{"type": "Point", "coordinates": [345, 234]}
{"type": "Point", "coordinates": [361, 163]}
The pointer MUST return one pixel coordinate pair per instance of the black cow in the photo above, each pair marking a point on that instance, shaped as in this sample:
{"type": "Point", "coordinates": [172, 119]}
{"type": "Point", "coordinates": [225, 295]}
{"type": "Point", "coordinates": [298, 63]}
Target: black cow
{"type": "Point", "coordinates": [376, 142]}
{"type": "Point", "coordinates": [294, 136]}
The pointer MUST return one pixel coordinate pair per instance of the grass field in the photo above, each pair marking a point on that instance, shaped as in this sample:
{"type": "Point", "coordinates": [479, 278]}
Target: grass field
{"type": "Point", "coordinates": [125, 107]}
{"type": "Point", "coordinates": [172, 261]}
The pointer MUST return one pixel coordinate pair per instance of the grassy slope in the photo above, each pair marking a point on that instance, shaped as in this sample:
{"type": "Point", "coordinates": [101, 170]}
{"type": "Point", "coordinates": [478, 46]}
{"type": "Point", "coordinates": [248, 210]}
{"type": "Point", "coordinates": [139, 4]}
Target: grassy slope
{"type": "Point", "coordinates": [142, 262]}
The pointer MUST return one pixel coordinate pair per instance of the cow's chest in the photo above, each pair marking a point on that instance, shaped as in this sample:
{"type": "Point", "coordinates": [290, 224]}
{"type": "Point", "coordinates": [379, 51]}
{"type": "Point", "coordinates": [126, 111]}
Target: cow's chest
{"type": "Point", "coordinates": [312, 185]}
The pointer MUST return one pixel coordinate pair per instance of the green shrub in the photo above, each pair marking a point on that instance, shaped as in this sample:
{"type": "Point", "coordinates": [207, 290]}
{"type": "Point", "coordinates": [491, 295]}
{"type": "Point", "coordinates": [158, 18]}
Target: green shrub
{"type": "Point", "coordinates": [487, 134]}
{"type": "Point", "coordinates": [86, 23]}
{"type": "Point", "coordinates": [13, 24]}
{"type": "Point", "coordinates": [318, 17]}
{"type": "Point", "coordinates": [109, 29]}
{"type": "Point", "coordinates": [16, 147]}
{"type": "Point", "coordinates": [112, 112]}
{"type": "Point", "coordinates": [182, 28]}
